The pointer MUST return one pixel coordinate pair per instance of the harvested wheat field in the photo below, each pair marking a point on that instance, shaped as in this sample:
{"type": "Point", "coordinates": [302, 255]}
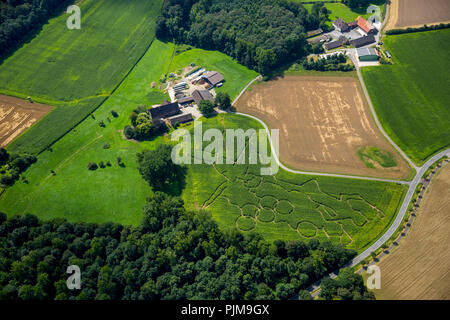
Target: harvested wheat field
{"type": "Point", "coordinates": [323, 123]}
{"type": "Point", "coordinates": [420, 267]}
{"type": "Point", "coordinates": [17, 115]}
{"type": "Point", "coordinates": [416, 13]}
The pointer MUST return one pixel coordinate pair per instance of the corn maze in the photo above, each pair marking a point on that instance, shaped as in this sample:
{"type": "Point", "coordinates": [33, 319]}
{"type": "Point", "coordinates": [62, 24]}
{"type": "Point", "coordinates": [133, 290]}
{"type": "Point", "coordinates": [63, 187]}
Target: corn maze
{"type": "Point", "coordinates": [304, 209]}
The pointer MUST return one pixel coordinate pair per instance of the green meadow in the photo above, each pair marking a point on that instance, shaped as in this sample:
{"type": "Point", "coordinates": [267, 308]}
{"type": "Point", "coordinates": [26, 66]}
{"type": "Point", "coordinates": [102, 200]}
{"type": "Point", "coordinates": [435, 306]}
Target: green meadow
{"type": "Point", "coordinates": [75, 70]}
{"type": "Point", "coordinates": [114, 193]}
{"type": "Point", "coordinates": [339, 10]}
{"type": "Point", "coordinates": [411, 97]}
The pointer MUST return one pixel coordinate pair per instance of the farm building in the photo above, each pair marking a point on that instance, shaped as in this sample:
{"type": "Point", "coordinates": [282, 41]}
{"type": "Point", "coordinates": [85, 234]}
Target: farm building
{"type": "Point", "coordinates": [213, 78]}
{"type": "Point", "coordinates": [335, 44]}
{"type": "Point", "coordinates": [180, 86]}
{"type": "Point", "coordinates": [322, 38]}
{"type": "Point", "coordinates": [341, 25]}
{"type": "Point", "coordinates": [180, 118]}
{"type": "Point", "coordinates": [200, 95]}
{"type": "Point", "coordinates": [365, 26]}
{"type": "Point", "coordinates": [186, 100]}
{"type": "Point", "coordinates": [367, 54]}
{"type": "Point", "coordinates": [164, 111]}
{"type": "Point", "coordinates": [363, 41]}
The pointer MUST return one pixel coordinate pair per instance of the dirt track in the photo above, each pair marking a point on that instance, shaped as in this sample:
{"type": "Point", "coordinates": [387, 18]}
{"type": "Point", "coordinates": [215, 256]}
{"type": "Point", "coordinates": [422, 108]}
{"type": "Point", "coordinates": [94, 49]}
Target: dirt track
{"type": "Point", "coordinates": [415, 13]}
{"type": "Point", "coordinates": [323, 121]}
{"type": "Point", "coordinates": [420, 267]}
{"type": "Point", "coordinates": [16, 116]}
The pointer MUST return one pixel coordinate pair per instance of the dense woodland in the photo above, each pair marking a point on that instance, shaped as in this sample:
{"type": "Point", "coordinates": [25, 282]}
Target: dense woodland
{"type": "Point", "coordinates": [20, 17]}
{"type": "Point", "coordinates": [172, 254]}
{"type": "Point", "coordinates": [260, 34]}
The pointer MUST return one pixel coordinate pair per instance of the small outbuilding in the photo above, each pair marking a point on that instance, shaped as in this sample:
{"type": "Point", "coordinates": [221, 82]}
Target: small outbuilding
{"type": "Point", "coordinates": [367, 54]}
{"type": "Point", "coordinates": [213, 78]}
{"type": "Point", "coordinates": [363, 41]}
{"type": "Point", "coordinates": [341, 25]}
{"type": "Point", "coordinates": [336, 44]}
{"type": "Point", "coordinates": [186, 100]}
{"type": "Point", "coordinates": [179, 118]}
{"type": "Point", "coordinates": [200, 95]}
{"type": "Point", "coordinates": [164, 111]}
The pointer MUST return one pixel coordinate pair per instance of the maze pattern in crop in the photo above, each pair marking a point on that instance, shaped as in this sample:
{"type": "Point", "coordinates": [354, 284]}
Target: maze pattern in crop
{"type": "Point", "coordinates": [254, 202]}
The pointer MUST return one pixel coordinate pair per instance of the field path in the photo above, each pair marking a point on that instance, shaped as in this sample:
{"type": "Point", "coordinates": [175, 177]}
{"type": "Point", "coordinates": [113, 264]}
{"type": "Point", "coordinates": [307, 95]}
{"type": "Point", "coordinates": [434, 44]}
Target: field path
{"type": "Point", "coordinates": [420, 171]}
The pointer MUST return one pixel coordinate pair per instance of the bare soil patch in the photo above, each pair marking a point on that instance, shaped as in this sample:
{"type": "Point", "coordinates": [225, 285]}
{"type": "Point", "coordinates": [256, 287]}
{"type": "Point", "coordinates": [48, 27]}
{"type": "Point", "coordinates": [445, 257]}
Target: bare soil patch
{"type": "Point", "coordinates": [420, 267]}
{"type": "Point", "coordinates": [415, 13]}
{"type": "Point", "coordinates": [323, 121]}
{"type": "Point", "coordinates": [17, 115]}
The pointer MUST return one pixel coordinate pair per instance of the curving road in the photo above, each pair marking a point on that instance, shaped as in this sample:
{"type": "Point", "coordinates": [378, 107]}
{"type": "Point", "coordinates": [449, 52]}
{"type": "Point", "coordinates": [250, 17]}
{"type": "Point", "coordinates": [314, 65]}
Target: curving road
{"type": "Point", "coordinates": [409, 194]}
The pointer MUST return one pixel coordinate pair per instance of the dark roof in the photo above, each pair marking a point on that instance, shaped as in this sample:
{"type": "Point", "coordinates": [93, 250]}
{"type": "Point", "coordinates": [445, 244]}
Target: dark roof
{"type": "Point", "coordinates": [335, 44]}
{"type": "Point", "coordinates": [200, 95]}
{"type": "Point", "coordinates": [214, 77]}
{"type": "Point", "coordinates": [179, 118]}
{"type": "Point", "coordinates": [341, 24]}
{"type": "Point", "coordinates": [164, 111]}
{"type": "Point", "coordinates": [313, 33]}
{"type": "Point", "coordinates": [363, 41]}
{"type": "Point", "coordinates": [185, 100]}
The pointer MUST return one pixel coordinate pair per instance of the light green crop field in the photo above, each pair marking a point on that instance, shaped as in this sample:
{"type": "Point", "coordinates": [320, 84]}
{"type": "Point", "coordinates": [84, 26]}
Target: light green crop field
{"type": "Point", "coordinates": [289, 206]}
{"type": "Point", "coordinates": [411, 97]}
{"type": "Point", "coordinates": [114, 193]}
{"type": "Point", "coordinates": [74, 70]}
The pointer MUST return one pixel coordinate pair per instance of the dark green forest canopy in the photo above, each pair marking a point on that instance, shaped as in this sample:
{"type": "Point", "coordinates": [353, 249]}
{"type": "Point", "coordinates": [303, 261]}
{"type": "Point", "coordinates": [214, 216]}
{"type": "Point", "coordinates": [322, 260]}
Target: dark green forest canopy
{"type": "Point", "coordinates": [261, 34]}
{"type": "Point", "coordinates": [173, 254]}
{"type": "Point", "coordinates": [20, 17]}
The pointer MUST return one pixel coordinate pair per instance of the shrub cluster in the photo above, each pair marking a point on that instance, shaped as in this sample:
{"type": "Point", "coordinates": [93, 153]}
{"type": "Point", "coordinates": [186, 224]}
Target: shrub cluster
{"type": "Point", "coordinates": [12, 165]}
{"type": "Point", "coordinates": [335, 62]}
{"type": "Point", "coordinates": [141, 127]}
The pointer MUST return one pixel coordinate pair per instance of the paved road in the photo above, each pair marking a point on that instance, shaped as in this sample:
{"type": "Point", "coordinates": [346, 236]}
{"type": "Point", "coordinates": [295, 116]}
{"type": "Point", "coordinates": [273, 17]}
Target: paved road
{"type": "Point", "coordinates": [409, 194]}
{"type": "Point", "coordinates": [315, 173]}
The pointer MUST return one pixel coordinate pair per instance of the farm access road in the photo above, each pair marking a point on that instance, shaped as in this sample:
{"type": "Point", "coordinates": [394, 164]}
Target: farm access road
{"type": "Point", "coordinates": [407, 199]}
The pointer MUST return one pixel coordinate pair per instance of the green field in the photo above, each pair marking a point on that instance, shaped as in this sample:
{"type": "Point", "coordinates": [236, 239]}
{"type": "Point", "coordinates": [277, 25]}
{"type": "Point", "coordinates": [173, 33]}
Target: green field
{"type": "Point", "coordinates": [114, 193]}
{"type": "Point", "coordinates": [289, 206]}
{"type": "Point", "coordinates": [411, 97]}
{"type": "Point", "coordinates": [74, 70]}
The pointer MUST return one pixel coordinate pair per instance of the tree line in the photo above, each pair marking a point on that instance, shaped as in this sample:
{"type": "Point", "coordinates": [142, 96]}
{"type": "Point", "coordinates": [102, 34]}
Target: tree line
{"type": "Point", "coordinates": [20, 17]}
{"type": "Point", "coordinates": [260, 34]}
{"type": "Point", "coordinates": [172, 254]}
